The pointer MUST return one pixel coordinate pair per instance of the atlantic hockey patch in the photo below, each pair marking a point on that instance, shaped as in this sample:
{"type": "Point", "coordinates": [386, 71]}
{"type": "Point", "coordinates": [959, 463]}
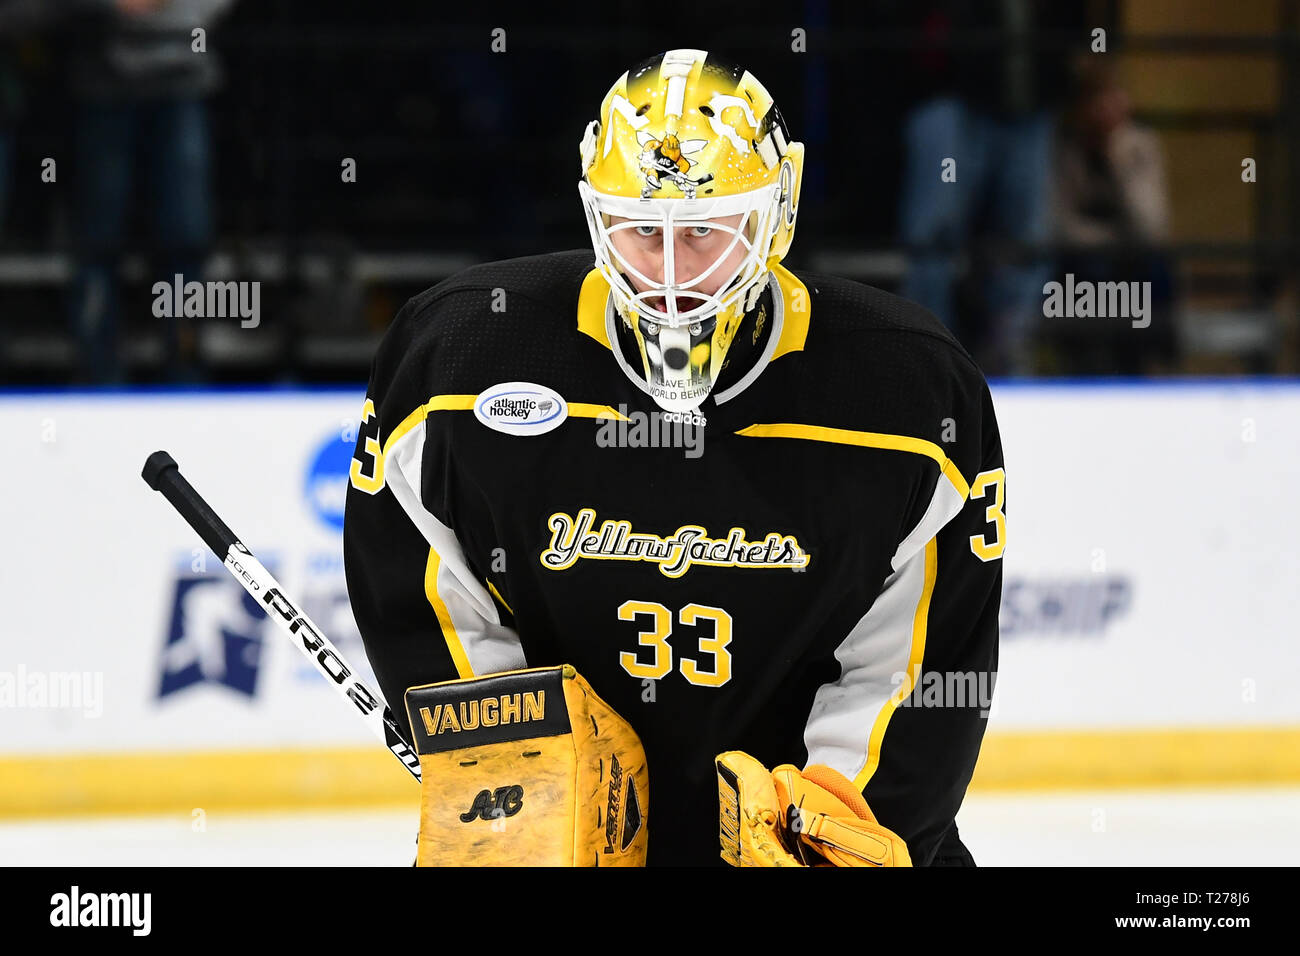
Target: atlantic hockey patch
{"type": "Point", "coordinates": [520, 408]}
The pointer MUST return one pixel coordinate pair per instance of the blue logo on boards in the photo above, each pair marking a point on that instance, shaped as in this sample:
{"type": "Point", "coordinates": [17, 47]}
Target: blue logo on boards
{"type": "Point", "coordinates": [214, 636]}
{"type": "Point", "coordinates": [327, 480]}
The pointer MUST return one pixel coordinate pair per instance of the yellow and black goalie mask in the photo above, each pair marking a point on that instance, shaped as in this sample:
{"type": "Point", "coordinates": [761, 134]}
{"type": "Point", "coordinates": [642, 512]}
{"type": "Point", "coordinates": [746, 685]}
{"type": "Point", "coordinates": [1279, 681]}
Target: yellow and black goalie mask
{"type": "Point", "coordinates": [690, 187]}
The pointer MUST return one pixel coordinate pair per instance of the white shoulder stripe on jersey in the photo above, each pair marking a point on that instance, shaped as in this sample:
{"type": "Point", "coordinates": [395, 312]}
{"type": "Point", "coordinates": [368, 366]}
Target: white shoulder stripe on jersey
{"type": "Point", "coordinates": [848, 718]}
{"type": "Point", "coordinates": [487, 644]}
{"type": "Point", "coordinates": [839, 732]}
{"type": "Point", "coordinates": [944, 505]}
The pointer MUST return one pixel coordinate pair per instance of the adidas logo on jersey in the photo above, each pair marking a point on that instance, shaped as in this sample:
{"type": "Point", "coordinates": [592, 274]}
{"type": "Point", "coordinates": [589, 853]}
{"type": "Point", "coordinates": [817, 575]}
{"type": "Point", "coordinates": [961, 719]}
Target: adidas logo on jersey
{"type": "Point", "coordinates": [636, 429]}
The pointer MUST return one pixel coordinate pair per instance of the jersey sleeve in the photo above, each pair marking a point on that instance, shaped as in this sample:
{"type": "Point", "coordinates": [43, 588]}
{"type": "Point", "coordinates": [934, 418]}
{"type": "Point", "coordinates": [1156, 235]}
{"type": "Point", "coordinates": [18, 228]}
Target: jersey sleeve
{"type": "Point", "coordinates": [424, 614]}
{"type": "Point", "coordinates": [907, 716]}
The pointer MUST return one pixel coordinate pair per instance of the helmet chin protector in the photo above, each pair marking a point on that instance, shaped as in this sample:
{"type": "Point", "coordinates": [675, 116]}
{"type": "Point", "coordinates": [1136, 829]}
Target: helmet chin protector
{"type": "Point", "coordinates": [683, 141]}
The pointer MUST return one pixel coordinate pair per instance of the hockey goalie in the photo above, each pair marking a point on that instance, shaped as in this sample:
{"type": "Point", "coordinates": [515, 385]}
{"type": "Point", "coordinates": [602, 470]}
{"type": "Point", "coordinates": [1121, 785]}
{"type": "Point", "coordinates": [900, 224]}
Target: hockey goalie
{"type": "Point", "coordinates": [653, 541]}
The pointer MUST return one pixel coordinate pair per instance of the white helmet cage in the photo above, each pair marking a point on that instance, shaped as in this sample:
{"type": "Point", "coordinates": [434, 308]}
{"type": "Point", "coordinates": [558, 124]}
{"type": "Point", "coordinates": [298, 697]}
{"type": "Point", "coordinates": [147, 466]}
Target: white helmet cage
{"type": "Point", "coordinates": [761, 208]}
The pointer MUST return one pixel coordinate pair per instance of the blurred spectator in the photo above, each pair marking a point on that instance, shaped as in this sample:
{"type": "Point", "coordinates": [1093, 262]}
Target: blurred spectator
{"type": "Point", "coordinates": [18, 19]}
{"type": "Point", "coordinates": [1110, 182]}
{"type": "Point", "coordinates": [1111, 207]}
{"type": "Point", "coordinates": [990, 107]}
{"type": "Point", "coordinates": [140, 140]}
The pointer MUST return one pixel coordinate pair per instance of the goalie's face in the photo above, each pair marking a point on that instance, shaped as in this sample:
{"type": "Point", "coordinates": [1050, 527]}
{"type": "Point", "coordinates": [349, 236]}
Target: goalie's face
{"type": "Point", "coordinates": [677, 282]}
{"type": "Point", "coordinates": [704, 255]}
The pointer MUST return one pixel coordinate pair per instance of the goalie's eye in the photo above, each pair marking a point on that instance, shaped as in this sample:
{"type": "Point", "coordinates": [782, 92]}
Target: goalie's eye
{"type": "Point", "coordinates": [696, 232]}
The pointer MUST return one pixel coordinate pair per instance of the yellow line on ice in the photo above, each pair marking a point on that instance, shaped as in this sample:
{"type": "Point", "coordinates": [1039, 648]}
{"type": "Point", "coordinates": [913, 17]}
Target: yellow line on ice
{"type": "Point", "coordinates": [178, 783]}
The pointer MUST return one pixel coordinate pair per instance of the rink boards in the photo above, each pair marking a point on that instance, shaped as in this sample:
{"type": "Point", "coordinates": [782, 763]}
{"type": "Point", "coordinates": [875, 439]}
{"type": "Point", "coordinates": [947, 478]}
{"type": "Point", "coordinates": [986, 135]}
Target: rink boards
{"type": "Point", "coordinates": [1148, 631]}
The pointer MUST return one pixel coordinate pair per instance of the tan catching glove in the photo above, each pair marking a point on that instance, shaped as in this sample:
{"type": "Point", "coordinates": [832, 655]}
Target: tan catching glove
{"type": "Point", "coordinates": [527, 768]}
{"type": "Point", "coordinates": [788, 817]}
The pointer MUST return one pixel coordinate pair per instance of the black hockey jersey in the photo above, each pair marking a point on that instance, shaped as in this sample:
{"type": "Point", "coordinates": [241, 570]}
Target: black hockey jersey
{"type": "Point", "coordinates": [809, 570]}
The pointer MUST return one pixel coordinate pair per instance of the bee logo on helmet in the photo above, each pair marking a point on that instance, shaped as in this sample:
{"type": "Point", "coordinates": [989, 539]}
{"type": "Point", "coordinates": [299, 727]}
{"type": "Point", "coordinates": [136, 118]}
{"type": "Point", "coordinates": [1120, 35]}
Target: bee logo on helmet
{"type": "Point", "coordinates": [687, 142]}
{"type": "Point", "coordinates": [665, 157]}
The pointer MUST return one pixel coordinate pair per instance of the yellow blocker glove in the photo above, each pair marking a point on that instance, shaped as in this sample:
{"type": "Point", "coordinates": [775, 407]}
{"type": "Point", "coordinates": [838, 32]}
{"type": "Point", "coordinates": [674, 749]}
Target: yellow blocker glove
{"type": "Point", "coordinates": [789, 817]}
{"type": "Point", "coordinates": [527, 768]}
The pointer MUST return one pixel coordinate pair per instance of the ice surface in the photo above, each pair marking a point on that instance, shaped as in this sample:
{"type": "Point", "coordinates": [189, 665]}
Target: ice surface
{"type": "Point", "coordinates": [1238, 826]}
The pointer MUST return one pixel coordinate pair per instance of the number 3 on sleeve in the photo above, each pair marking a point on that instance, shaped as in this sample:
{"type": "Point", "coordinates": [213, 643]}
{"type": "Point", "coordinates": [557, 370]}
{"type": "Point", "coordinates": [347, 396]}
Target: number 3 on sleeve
{"type": "Point", "coordinates": [980, 546]}
{"type": "Point", "coordinates": [372, 482]}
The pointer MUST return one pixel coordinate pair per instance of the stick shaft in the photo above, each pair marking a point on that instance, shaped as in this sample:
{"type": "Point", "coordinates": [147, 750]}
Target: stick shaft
{"type": "Point", "coordinates": [162, 474]}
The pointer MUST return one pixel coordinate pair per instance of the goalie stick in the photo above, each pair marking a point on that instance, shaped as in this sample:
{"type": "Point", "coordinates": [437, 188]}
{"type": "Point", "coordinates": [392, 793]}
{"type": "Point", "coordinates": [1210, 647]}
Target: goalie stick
{"type": "Point", "coordinates": [162, 474]}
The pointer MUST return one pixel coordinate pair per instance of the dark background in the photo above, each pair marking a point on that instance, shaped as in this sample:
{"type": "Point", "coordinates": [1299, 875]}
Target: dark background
{"type": "Point", "coordinates": [465, 155]}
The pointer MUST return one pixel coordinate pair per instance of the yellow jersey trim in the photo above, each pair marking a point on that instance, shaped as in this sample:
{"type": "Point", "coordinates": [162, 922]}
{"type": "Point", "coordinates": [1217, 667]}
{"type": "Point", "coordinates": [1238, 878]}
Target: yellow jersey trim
{"type": "Point", "coordinates": [454, 645]}
{"type": "Point", "coordinates": [796, 311]}
{"type": "Point", "coordinates": [920, 625]}
{"type": "Point", "coordinates": [465, 403]}
{"type": "Point", "coordinates": [497, 594]}
{"type": "Point", "coordinates": [845, 436]}
{"type": "Point", "coordinates": [592, 410]}
{"type": "Point", "coordinates": [591, 307]}
{"type": "Point", "coordinates": [413, 420]}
